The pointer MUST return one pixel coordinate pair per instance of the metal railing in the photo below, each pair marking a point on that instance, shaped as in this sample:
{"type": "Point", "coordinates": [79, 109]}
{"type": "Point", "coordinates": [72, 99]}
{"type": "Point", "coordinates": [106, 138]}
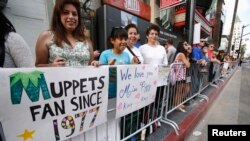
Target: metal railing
{"type": "Point", "coordinates": [138, 124]}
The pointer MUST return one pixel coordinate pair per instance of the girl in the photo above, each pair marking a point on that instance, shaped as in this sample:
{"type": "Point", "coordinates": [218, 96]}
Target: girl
{"type": "Point", "coordinates": [116, 55]}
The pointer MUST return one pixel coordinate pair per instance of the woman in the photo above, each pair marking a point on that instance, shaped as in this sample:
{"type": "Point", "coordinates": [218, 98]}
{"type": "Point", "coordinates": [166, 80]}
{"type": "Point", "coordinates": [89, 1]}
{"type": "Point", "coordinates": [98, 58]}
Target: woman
{"type": "Point", "coordinates": [152, 52]}
{"type": "Point", "coordinates": [14, 51]}
{"type": "Point", "coordinates": [65, 44]}
{"type": "Point", "coordinates": [131, 42]}
{"type": "Point", "coordinates": [183, 53]}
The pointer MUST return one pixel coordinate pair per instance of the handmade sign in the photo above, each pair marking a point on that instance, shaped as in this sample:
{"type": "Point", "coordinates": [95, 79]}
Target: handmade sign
{"type": "Point", "coordinates": [163, 75]}
{"type": "Point", "coordinates": [50, 104]}
{"type": "Point", "coordinates": [136, 88]}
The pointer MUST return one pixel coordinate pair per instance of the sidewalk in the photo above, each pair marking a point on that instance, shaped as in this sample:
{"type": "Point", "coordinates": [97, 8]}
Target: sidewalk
{"type": "Point", "coordinates": [224, 110]}
{"type": "Point", "coordinates": [187, 121]}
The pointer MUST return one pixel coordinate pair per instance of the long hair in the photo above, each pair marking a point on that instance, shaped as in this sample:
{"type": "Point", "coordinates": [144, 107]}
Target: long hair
{"type": "Point", "coordinates": [5, 28]}
{"type": "Point", "coordinates": [58, 29]}
{"type": "Point", "coordinates": [180, 48]}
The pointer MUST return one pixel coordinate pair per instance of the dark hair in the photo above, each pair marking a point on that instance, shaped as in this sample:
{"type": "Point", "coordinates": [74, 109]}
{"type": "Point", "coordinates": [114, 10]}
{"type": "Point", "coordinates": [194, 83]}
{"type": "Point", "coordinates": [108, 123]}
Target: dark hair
{"type": "Point", "coordinates": [152, 27]}
{"type": "Point", "coordinates": [132, 26]}
{"type": "Point", "coordinates": [169, 41]}
{"type": "Point", "coordinates": [206, 44]}
{"type": "Point", "coordinates": [58, 29]}
{"type": "Point", "coordinates": [180, 48]}
{"type": "Point", "coordinates": [117, 32]}
{"type": "Point", "coordinates": [5, 28]}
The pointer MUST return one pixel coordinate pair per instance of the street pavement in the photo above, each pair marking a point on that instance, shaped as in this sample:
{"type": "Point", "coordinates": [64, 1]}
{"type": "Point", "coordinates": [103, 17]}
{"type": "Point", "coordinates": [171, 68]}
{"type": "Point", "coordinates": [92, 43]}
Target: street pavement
{"type": "Point", "coordinates": [232, 106]}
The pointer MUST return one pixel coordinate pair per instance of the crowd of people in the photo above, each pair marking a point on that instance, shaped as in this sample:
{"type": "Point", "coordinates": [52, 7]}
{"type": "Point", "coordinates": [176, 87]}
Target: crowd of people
{"type": "Point", "coordinates": [66, 43]}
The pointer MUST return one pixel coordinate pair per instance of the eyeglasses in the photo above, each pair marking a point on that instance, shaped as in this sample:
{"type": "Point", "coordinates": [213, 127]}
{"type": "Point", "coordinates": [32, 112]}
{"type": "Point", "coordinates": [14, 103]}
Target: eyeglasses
{"type": "Point", "coordinates": [202, 41]}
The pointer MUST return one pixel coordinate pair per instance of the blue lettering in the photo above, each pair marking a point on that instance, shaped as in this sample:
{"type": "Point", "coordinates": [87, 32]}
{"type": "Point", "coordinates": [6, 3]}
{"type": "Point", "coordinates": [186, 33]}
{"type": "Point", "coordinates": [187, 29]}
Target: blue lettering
{"type": "Point", "coordinates": [138, 74]}
{"type": "Point", "coordinates": [127, 91]}
{"type": "Point", "coordinates": [126, 75]}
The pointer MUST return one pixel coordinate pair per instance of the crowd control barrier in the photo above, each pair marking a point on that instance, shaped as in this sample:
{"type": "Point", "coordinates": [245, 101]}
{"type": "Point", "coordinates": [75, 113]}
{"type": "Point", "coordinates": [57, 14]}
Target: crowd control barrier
{"type": "Point", "coordinates": [77, 104]}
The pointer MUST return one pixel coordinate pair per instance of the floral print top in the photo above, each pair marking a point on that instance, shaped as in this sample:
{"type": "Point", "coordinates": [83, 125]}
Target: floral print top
{"type": "Point", "coordinates": [75, 56]}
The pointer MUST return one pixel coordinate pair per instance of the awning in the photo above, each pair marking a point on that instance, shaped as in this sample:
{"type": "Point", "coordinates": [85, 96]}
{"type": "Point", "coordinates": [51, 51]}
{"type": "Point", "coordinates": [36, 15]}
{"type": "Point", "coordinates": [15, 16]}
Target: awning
{"type": "Point", "coordinates": [180, 17]}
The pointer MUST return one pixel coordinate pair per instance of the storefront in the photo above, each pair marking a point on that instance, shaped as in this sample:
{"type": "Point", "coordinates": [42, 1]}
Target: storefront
{"type": "Point", "coordinates": [205, 26]}
{"type": "Point", "coordinates": [120, 13]}
{"type": "Point", "coordinates": [176, 17]}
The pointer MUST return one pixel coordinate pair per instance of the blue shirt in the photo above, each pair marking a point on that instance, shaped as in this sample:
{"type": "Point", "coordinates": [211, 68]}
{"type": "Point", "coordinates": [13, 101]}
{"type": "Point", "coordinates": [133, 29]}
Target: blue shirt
{"type": "Point", "coordinates": [137, 44]}
{"type": "Point", "coordinates": [197, 53]}
{"type": "Point", "coordinates": [121, 59]}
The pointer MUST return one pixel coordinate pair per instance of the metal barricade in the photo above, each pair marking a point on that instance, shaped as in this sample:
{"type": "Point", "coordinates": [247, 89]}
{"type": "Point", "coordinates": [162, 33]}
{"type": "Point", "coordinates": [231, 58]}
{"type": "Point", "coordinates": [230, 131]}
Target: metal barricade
{"type": "Point", "coordinates": [138, 124]}
{"type": "Point", "coordinates": [204, 77]}
{"type": "Point", "coordinates": [183, 90]}
{"type": "Point", "coordinates": [145, 121]}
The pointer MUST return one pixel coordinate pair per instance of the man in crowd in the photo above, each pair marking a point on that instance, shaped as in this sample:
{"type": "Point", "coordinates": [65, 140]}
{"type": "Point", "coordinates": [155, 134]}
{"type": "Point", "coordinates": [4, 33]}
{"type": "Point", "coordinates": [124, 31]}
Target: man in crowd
{"type": "Point", "coordinates": [213, 60]}
{"type": "Point", "coordinates": [171, 51]}
{"type": "Point", "coordinates": [197, 53]}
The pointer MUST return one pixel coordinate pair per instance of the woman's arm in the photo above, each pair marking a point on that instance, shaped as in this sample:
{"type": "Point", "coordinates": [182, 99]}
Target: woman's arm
{"type": "Point", "coordinates": [91, 51]}
{"type": "Point", "coordinates": [19, 51]}
{"type": "Point", "coordinates": [181, 57]}
{"type": "Point", "coordinates": [42, 52]}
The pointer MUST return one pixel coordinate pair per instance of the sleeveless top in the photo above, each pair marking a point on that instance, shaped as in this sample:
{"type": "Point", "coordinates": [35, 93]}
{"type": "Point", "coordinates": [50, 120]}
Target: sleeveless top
{"type": "Point", "coordinates": [75, 56]}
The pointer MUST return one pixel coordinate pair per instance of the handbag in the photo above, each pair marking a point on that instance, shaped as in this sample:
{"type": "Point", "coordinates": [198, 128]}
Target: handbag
{"type": "Point", "coordinates": [172, 77]}
{"type": "Point", "coordinates": [177, 73]}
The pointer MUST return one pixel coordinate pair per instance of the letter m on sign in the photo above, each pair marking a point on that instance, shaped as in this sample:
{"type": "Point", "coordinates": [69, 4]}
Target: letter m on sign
{"type": "Point", "coordinates": [31, 83]}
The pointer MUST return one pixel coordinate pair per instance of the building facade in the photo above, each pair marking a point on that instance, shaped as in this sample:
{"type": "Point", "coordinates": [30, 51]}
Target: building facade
{"type": "Point", "coordinates": [32, 17]}
{"type": "Point", "coordinates": [236, 37]}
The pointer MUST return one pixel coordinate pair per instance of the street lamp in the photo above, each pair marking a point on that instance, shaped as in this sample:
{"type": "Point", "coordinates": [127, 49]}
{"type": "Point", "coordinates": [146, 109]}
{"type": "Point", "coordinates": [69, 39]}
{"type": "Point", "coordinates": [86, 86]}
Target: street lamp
{"type": "Point", "coordinates": [243, 27]}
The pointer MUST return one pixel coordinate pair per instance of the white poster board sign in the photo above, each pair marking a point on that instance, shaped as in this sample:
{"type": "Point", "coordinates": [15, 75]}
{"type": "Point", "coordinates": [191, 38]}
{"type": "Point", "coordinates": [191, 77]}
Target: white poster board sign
{"type": "Point", "coordinates": [163, 75]}
{"type": "Point", "coordinates": [197, 33]}
{"type": "Point", "coordinates": [50, 104]}
{"type": "Point", "coordinates": [136, 88]}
